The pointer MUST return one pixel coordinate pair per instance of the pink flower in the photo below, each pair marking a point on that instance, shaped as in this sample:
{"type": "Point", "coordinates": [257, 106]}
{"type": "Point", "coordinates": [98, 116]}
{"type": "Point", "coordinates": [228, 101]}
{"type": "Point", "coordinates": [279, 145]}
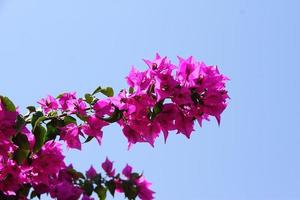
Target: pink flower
{"type": "Point", "coordinates": [91, 173]}
{"type": "Point", "coordinates": [65, 191]}
{"type": "Point", "coordinates": [138, 80]}
{"type": "Point", "coordinates": [11, 177]}
{"type": "Point", "coordinates": [48, 104]}
{"type": "Point", "coordinates": [103, 107]}
{"type": "Point", "coordinates": [127, 171]}
{"type": "Point", "coordinates": [65, 98]}
{"type": "Point", "coordinates": [107, 166]}
{"type": "Point", "coordinates": [166, 118]}
{"type": "Point", "coordinates": [144, 191]}
{"type": "Point", "coordinates": [184, 124]}
{"type": "Point", "coordinates": [70, 134]}
{"type": "Point", "coordinates": [47, 162]}
{"type": "Point", "coordinates": [93, 127]}
{"type": "Point", "coordinates": [188, 71]}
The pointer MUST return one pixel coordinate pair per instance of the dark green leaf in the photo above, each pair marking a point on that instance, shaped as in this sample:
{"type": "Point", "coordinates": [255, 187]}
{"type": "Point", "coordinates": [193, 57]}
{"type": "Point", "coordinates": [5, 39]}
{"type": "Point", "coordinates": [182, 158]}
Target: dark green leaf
{"type": "Point", "coordinates": [130, 190]}
{"type": "Point", "coordinates": [35, 116]}
{"type": "Point", "coordinates": [88, 187]}
{"type": "Point", "coordinates": [20, 123]}
{"type": "Point", "coordinates": [38, 122]}
{"type": "Point", "coordinates": [40, 137]}
{"type": "Point", "coordinates": [69, 120]}
{"type": "Point", "coordinates": [20, 155]}
{"type": "Point", "coordinates": [31, 109]}
{"type": "Point", "coordinates": [97, 90]}
{"type": "Point", "coordinates": [101, 192]}
{"type": "Point", "coordinates": [88, 139]}
{"type": "Point", "coordinates": [111, 185]}
{"type": "Point", "coordinates": [8, 104]}
{"type": "Point", "coordinates": [117, 114]}
{"type": "Point", "coordinates": [52, 131]}
{"type": "Point", "coordinates": [21, 140]}
{"type": "Point", "coordinates": [24, 190]}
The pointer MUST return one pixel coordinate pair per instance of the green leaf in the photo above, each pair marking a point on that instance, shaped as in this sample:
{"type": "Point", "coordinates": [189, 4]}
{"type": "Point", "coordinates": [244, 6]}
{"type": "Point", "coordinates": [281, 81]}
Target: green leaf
{"type": "Point", "coordinates": [111, 185]}
{"type": "Point", "coordinates": [130, 190]}
{"type": "Point", "coordinates": [40, 137]}
{"type": "Point", "coordinates": [38, 121]}
{"type": "Point", "coordinates": [108, 91]}
{"type": "Point", "coordinates": [20, 155]}
{"type": "Point", "coordinates": [70, 120]}
{"type": "Point", "coordinates": [117, 114]}
{"type": "Point", "coordinates": [88, 98]}
{"type": "Point", "coordinates": [21, 140]}
{"type": "Point", "coordinates": [24, 190]}
{"type": "Point", "coordinates": [31, 109]}
{"type": "Point", "coordinates": [35, 116]}
{"type": "Point", "coordinates": [131, 90]}
{"type": "Point", "coordinates": [35, 194]}
{"type": "Point", "coordinates": [52, 131]}
{"type": "Point", "coordinates": [20, 123]}
{"type": "Point", "coordinates": [88, 139]}
{"type": "Point", "coordinates": [88, 187]}
{"type": "Point", "coordinates": [8, 104]}
{"type": "Point", "coordinates": [97, 90]}
{"type": "Point", "coordinates": [101, 192]}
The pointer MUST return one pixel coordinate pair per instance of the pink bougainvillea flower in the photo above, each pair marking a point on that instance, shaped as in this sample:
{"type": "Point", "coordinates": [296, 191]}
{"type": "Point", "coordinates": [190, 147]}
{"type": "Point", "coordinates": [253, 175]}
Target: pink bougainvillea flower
{"type": "Point", "coordinates": [91, 173]}
{"type": "Point", "coordinates": [70, 134]}
{"type": "Point", "coordinates": [93, 127]}
{"type": "Point", "coordinates": [65, 98]}
{"type": "Point", "coordinates": [127, 171]}
{"type": "Point", "coordinates": [107, 166]}
{"type": "Point", "coordinates": [47, 162]}
{"type": "Point", "coordinates": [48, 104]}
{"type": "Point", "coordinates": [103, 107]}
{"type": "Point", "coordinates": [65, 191]}
{"type": "Point", "coordinates": [144, 191]}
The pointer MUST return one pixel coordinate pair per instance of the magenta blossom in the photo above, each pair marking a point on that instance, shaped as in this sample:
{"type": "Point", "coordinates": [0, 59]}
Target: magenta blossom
{"type": "Point", "coordinates": [91, 173]}
{"type": "Point", "coordinates": [107, 166]}
{"type": "Point", "coordinates": [48, 104]}
{"type": "Point", "coordinates": [70, 134]}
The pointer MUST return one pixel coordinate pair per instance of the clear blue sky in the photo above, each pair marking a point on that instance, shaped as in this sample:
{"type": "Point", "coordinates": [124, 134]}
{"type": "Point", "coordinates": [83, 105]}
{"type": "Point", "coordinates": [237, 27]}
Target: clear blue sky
{"type": "Point", "coordinates": [47, 47]}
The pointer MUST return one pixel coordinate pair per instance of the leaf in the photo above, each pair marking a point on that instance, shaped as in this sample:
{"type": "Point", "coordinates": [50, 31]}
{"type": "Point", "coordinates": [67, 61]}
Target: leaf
{"type": "Point", "coordinates": [40, 137]}
{"type": "Point", "coordinates": [88, 187]}
{"type": "Point", "coordinates": [117, 114]}
{"type": "Point", "coordinates": [88, 139]}
{"type": "Point", "coordinates": [31, 109]}
{"type": "Point", "coordinates": [20, 155]}
{"type": "Point", "coordinates": [24, 190]}
{"type": "Point", "coordinates": [97, 90]}
{"type": "Point", "coordinates": [111, 185]}
{"type": "Point", "coordinates": [8, 104]}
{"type": "Point", "coordinates": [101, 192]}
{"type": "Point", "coordinates": [21, 140]}
{"type": "Point", "coordinates": [20, 123]}
{"type": "Point", "coordinates": [35, 116]}
{"type": "Point", "coordinates": [88, 98]}
{"type": "Point", "coordinates": [130, 190]}
{"type": "Point", "coordinates": [108, 91]}
{"type": "Point", "coordinates": [70, 120]}
{"type": "Point", "coordinates": [52, 131]}
{"type": "Point", "coordinates": [38, 121]}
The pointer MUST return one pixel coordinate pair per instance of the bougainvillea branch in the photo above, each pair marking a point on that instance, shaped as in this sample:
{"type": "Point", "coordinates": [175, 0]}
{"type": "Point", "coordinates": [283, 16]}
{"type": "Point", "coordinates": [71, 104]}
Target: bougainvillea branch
{"type": "Point", "coordinates": [161, 99]}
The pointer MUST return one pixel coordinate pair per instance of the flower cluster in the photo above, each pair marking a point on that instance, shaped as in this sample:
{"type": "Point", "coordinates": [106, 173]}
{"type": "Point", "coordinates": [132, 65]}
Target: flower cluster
{"type": "Point", "coordinates": [163, 98]}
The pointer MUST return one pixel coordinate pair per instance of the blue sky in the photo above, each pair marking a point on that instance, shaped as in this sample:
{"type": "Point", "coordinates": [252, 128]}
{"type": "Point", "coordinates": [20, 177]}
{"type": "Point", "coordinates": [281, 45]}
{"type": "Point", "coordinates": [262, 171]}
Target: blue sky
{"type": "Point", "coordinates": [47, 47]}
